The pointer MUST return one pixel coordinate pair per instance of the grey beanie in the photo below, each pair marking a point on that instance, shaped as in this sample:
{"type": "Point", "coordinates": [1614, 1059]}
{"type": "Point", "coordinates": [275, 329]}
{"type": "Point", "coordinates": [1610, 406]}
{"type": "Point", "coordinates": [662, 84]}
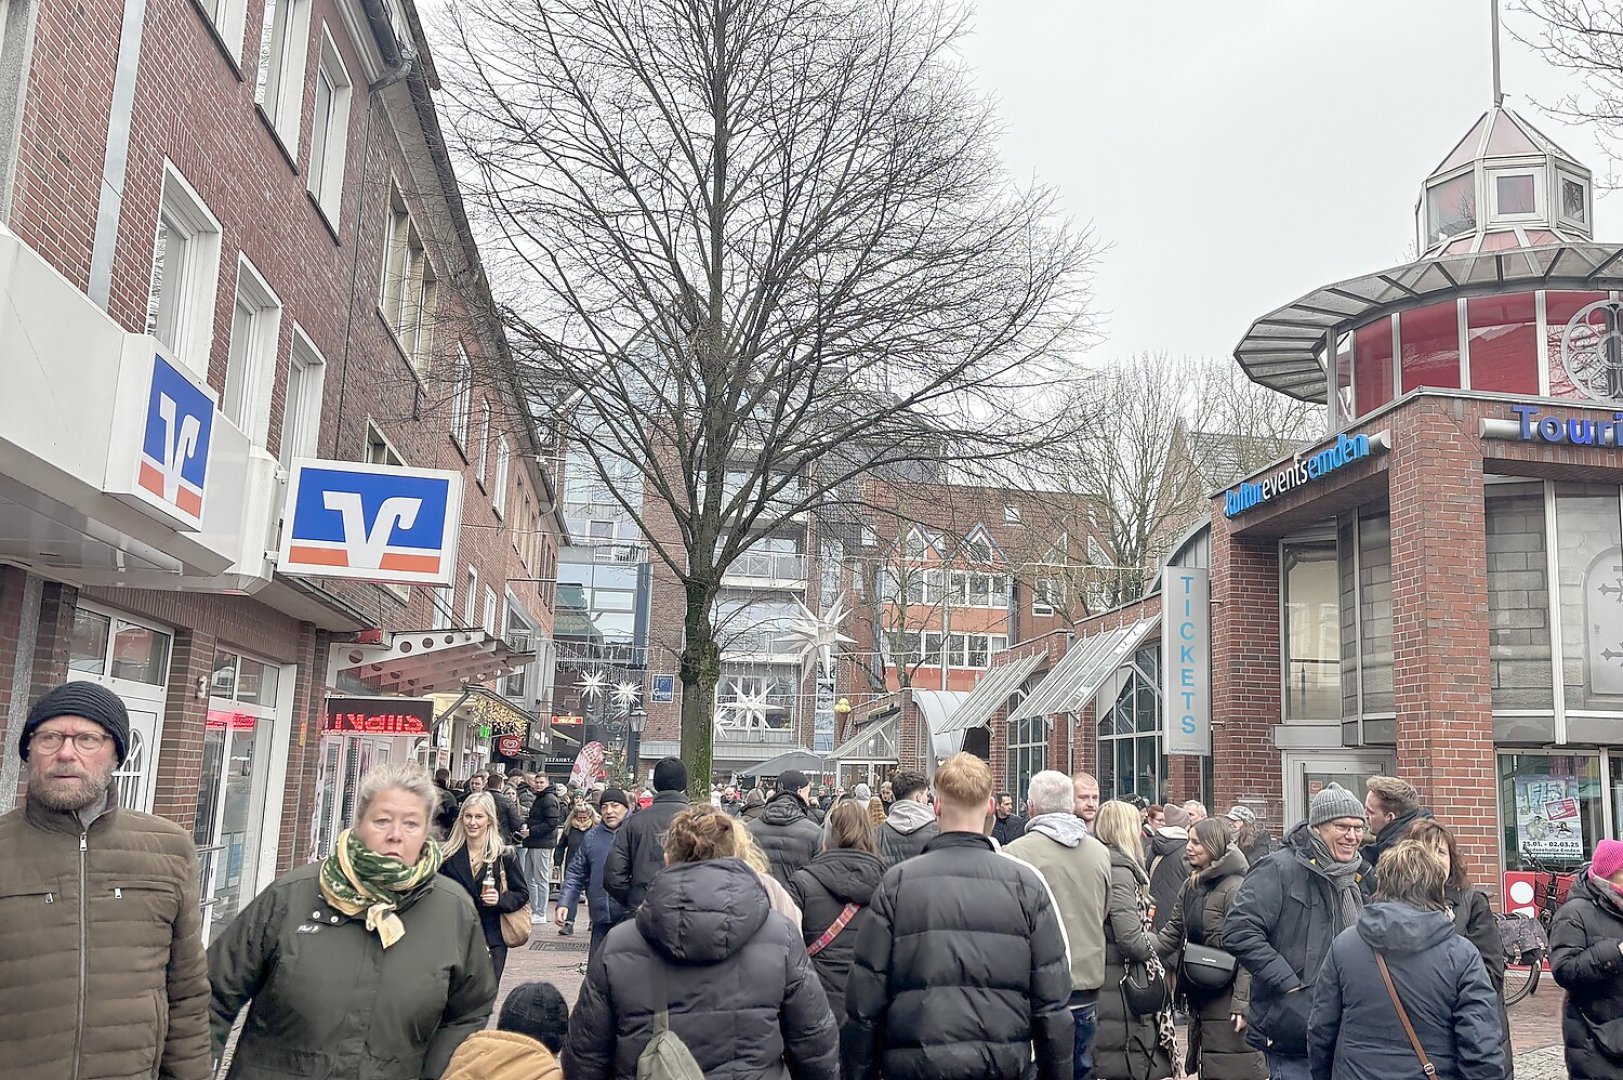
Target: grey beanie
{"type": "Point", "coordinates": [1334, 802]}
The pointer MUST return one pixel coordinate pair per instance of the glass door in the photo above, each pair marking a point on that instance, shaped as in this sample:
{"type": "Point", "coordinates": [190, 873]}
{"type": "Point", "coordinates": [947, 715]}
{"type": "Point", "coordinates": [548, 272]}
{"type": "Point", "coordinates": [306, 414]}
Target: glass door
{"type": "Point", "coordinates": [132, 660]}
{"type": "Point", "coordinates": [1307, 774]}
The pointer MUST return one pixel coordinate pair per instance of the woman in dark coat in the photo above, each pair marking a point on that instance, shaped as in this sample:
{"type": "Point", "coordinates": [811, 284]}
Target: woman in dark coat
{"type": "Point", "coordinates": [1472, 912]}
{"type": "Point", "coordinates": [1127, 1047]}
{"type": "Point", "coordinates": [734, 974]}
{"type": "Point", "coordinates": [577, 824]}
{"type": "Point", "coordinates": [1586, 955]}
{"type": "Point", "coordinates": [475, 846]}
{"type": "Point", "coordinates": [1217, 1018]}
{"type": "Point", "coordinates": [1353, 1030]}
{"type": "Point", "coordinates": [845, 873]}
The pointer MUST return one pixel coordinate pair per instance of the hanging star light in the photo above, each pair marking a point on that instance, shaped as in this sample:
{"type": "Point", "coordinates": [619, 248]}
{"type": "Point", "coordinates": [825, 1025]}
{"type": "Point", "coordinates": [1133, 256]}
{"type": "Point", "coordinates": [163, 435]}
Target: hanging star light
{"type": "Point", "coordinates": [819, 633]}
{"type": "Point", "coordinates": [626, 694]}
{"type": "Point", "coordinates": [593, 684]}
{"type": "Point", "coordinates": [747, 711]}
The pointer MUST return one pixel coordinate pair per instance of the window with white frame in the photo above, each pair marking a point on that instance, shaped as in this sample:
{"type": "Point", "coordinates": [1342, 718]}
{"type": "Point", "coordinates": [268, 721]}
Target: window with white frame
{"type": "Point", "coordinates": [484, 440]}
{"type": "Point", "coordinates": [378, 449]}
{"type": "Point", "coordinates": [498, 489]}
{"type": "Point", "coordinates": [185, 273]}
{"type": "Point", "coordinates": [1047, 595]}
{"type": "Point", "coordinates": [229, 18]}
{"type": "Point", "coordinates": [284, 39]}
{"type": "Point", "coordinates": [1574, 199]}
{"type": "Point", "coordinates": [301, 418]}
{"type": "Point", "coordinates": [329, 130]}
{"type": "Point", "coordinates": [492, 612]}
{"type": "Point", "coordinates": [470, 601]}
{"type": "Point", "coordinates": [442, 602]}
{"type": "Point", "coordinates": [461, 399]}
{"type": "Point", "coordinates": [1516, 195]}
{"type": "Point", "coordinates": [250, 375]}
{"type": "Point", "coordinates": [1011, 514]}
{"type": "Point", "coordinates": [410, 291]}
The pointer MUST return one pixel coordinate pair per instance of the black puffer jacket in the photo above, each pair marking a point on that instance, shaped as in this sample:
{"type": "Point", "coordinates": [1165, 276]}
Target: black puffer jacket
{"type": "Point", "coordinates": [1389, 836]}
{"type": "Point", "coordinates": [787, 835]}
{"type": "Point", "coordinates": [961, 973]}
{"type": "Point", "coordinates": [639, 849]}
{"type": "Point", "coordinates": [742, 994]}
{"type": "Point", "coordinates": [1280, 927]}
{"type": "Point", "coordinates": [1586, 955]}
{"type": "Point", "coordinates": [1166, 860]}
{"type": "Point", "coordinates": [822, 888]}
{"type": "Point", "coordinates": [545, 817]}
{"type": "Point", "coordinates": [1353, 1030]}
{"type": "Point", "coordinates": [1007, 830]}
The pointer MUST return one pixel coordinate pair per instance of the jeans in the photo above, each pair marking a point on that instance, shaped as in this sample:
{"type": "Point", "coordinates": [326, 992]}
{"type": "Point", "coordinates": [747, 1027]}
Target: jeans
{"type": "Point", "coordinates": [1283, 1067]}
{"type": "Point", "coordinates": [1087, 1026]}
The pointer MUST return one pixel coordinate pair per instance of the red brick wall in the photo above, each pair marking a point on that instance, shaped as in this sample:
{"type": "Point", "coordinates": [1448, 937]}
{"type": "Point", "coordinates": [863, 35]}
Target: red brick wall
{"type": "Point", "coordinates": [1245, 672]}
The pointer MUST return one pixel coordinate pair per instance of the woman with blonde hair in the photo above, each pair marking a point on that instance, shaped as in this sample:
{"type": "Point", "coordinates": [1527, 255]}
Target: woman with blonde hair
{"type": "Point", "coordinates": [1128, 1045]}
{"type": "Point", "coordinates": [478, 860]}
{"type": "Point", "coordinates": [706, 949]}
{"type": "Point", "coordinates": [1403, 960]}
{"type": "Point", "coordinates": [876, 812]}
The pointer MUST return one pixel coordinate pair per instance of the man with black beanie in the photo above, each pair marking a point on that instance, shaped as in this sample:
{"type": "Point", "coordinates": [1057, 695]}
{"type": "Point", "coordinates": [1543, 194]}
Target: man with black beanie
{"type": "Point", "coordinates": [639, 848]}
{"type": "Point", "coordinates": [64, 852]}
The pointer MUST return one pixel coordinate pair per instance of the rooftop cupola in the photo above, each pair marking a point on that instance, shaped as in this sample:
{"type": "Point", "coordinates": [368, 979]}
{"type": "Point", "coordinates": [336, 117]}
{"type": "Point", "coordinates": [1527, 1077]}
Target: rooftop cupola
{"type": "Point", "coordinates": [1505, 185]}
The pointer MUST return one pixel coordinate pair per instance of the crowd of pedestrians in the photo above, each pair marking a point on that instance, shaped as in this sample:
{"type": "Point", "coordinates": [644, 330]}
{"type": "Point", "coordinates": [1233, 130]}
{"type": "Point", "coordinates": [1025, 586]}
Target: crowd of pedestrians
{"type": "Point", "coordinates": [952, 937]}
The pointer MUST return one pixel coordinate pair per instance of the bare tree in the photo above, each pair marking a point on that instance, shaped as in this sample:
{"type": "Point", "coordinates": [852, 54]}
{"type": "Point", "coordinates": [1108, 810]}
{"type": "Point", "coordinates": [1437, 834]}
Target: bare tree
{"type": "Point", "coordinates": [764, 248]}
{"type": "Point", "coordinates": [1584, 37]}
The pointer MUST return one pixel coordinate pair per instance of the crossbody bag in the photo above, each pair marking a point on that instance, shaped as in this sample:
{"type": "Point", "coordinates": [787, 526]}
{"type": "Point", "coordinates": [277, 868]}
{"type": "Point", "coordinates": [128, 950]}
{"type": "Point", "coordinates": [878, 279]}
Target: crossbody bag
{"type": "Point", "coordinates": [1403, 1016]}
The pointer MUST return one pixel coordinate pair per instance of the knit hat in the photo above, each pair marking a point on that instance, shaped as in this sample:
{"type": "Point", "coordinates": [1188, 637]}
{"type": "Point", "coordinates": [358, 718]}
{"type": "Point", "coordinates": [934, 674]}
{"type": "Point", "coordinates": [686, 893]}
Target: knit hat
{"type": "Point", "coordinates": [1333, 802]}
{"type": "Point", "coordinates": [614, 794]}
{"type": "Point", "coordinates": [87, 699]}
{"type": "Point", "coordinates": [792, 780]}
{"type": "Point", "coordinates": [1608, 859]}
{"type": "Point", "coordinates": [1177, 817]}
{"type": "Point", "coordinates": [538, 1010]}
{"type": "Point", "coordinates": [861, 792]}
{"type": "Point", "coordinates": [1243, 814]}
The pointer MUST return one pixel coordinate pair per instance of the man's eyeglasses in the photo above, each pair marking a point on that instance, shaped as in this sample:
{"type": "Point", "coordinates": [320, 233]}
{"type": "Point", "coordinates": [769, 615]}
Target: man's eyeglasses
{"type": "Point", "coordinates": [1355, 828]}
{"type": "Point", "coordinates": [86, 742]}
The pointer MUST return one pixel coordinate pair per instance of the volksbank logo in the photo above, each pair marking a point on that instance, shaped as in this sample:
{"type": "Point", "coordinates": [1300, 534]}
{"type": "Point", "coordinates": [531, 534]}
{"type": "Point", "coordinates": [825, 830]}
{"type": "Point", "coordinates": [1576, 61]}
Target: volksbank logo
{"type": "Point", "coordinates": [1306, 468]}
{"type": "Point", "coordinates": [175, 442]}
{"type": "Point", "coordinates": [372, 522]}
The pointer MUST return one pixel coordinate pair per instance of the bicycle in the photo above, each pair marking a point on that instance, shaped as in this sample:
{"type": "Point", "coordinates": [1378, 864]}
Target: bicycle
{"type": "Point", "coordinates": [1526, 938]}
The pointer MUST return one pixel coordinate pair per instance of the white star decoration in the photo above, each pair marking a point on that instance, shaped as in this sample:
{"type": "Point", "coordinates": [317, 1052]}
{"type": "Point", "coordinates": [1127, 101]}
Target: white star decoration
{"type": "Point", "coordinates": [593, 684]}
{"type": "Point", "coordinates": [819, 633]}
{"type": "Point", "coordinates": [626, 694]}
{"type": "Point", "coordinates": [747, 711]}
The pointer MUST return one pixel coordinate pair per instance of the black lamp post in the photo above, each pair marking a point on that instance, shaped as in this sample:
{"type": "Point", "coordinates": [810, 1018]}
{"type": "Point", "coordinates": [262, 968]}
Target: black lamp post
{"type": "Point", "coordinates": [638, 719]}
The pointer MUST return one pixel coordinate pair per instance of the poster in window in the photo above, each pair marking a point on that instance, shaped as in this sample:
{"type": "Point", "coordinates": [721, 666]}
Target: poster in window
{"type": "Point", "coordinates": [1548, 822]}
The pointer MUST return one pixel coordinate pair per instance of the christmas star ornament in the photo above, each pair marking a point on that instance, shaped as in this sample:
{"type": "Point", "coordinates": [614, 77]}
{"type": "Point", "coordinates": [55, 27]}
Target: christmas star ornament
{"type": "Point", "coordinates": [819, 633]}
{"type": "Point", "coordinates": [626, 694]}
{"type": "Point", "coordinates": [747, 711]}
{"type": "Point", "coordinates": [594, 684]}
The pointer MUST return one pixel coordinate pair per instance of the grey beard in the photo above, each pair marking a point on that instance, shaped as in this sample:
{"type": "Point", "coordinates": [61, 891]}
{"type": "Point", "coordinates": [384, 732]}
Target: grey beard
{"type": "Point", "coordinates": [93, 793]}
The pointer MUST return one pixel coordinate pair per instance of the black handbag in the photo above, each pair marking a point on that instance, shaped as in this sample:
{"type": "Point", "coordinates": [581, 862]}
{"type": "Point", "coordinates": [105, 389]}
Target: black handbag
{"type": "Point", "coordinates": [1206, 968]}
{"type": "Point", "coordinates": [1144, 989]}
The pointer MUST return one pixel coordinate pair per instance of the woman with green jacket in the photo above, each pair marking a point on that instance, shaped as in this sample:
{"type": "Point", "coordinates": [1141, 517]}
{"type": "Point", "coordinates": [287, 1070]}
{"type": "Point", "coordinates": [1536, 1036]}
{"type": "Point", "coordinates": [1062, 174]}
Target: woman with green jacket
{"type": "Point", "coordinates": [369, 965]}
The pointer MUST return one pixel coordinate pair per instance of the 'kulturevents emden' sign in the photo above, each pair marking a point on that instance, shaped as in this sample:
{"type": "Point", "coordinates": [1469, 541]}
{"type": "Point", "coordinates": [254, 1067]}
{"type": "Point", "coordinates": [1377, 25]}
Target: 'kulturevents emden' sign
{"type": "Point", "coordinates": [1305, 469]}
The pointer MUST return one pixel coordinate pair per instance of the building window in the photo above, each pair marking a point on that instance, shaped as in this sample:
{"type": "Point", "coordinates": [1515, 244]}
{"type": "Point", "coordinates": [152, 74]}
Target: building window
{"type": "Point", "coordinates": [484, 440]}
{"type": "Point", "coordinates": [1574, 201]}
{"type": "Point", "coordinates": [1552, 807]}
{"type": "Point", "coordinates": [1047, 595]}
{"type": "Point", "coordinates": [256, 323]}
{"type": "Point", "coordinates": [1130, 757]}
{"type": "Point", "coordinates": [1028, 751]}
{"type": "Point", "coordinates": [498, 489]}
{"type": "Point", "coordinates": [1519, 600]}
{"type": "Point", "coordinates": [1011, 514]}
{"type": "Point", "coordinates": [1312, 631]}
{"type": "Point", "coordinates": [185, 273]}
{"type": "Point", "coordinates": [461, 399]}
{"type": "Point", "coordinates": [470, 600]}
{"type": "Point", "coordinates": [103, 644]}
{"type": "Point", "coordinates": [442, 602]}
{"type": "Point", "coordinates": [378, 450]}
{"type": "Point", "coordinates": [492, 612]}
{"type": "Point", "coordinates": [1515, 195]}
{"type": "Point", "coordinates": [1590, 559]}
{"type": "Point", "coordinates": [284, 40]}
{"type": "Point", "coordinates": [301, 417]}
{"type": "Point", "coordinates": [329, 130]}
{"type": "Point", "coordinates": [410, 291]}
{"type": "Point", "coordinates": [1451, 207]}
{"type": "Point", "coordinates": [229, 18]}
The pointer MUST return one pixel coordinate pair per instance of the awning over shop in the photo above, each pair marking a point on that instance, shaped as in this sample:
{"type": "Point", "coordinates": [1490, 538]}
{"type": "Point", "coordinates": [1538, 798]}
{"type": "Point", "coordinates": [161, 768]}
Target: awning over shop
{"type": "Point", "coordinates": [875, 744]}
{"type": "Point", "coordinates": [1077, 677]}
{"type": "Point", "coordinates": [990, 693]}
{"type": "Point", "coordinates": [937, 707]}
{"type": "Point", "coordinates": [422, 662]}
{"type": "Point", "coordinates": [481, 705]}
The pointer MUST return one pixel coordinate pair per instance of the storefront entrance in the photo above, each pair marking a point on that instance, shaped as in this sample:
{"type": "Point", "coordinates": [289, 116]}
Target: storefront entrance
{"type": "Point", "coordinates": [132, 660]}
{"type": "Point", "coordinates": [1308, 774]}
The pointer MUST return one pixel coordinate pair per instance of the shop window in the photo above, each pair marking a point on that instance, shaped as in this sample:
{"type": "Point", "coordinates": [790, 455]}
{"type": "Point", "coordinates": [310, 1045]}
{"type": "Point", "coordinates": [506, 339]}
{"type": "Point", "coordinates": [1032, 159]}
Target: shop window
{"type": "Point", "coordinates": [1551, 810]}
{"type": "Point", "coordinates": [1579, 350]}
{"type": "Point", "coordinates": [1431, 346]}
{"type": "Point", "coordinates": [1372, 365]}
{"type": "Point", "coordinates": [1347, 588]}
{"type": "Point", "coordinates": [1590, 561]}
{"type": "Point", "coordinates": [1130, 757]}
{"type": "Point", "coordinates": [1312, 631]}
{"type": "Point", "coordinates": [1519, 600]}
{"type": "Point", "coordinates": [1503, 343]}
{"type": "Point", "coordinates": [1028, 751]}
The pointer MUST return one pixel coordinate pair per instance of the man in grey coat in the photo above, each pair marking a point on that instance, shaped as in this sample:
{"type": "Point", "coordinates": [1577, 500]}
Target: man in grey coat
{"type": "Point", "coordinates": [1077, 869]}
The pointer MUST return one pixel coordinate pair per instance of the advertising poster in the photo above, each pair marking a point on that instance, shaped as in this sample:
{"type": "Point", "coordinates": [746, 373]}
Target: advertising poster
{"type": "Point", "coordinates": [1548, 823]}
{"type": "Point", "coordinates": [588, 765]}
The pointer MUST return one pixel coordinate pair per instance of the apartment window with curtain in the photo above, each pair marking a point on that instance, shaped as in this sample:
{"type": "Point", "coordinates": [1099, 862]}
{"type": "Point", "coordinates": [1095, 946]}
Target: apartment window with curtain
{"type": "Point", "coordinates": [185, 273]}
{"type": "Point", "coordinates": [256, 322]}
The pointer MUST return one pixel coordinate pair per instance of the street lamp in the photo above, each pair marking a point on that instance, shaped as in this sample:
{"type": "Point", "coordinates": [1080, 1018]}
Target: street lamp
{"type": "Point", "coordinates": [638, 720]}
{"type": "Point", "coordinates": [842, 709]}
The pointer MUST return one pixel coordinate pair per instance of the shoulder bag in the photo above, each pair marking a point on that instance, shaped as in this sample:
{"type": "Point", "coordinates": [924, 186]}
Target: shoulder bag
{"type": "Point", "coordinates": [1403, 1015]}
{"type": "Point", "coordinates": [1144, 990]}
{"type": "Point", "coordinates": [516, 925]}
{"type": "Point", "coordinates": [665, 1056]}
{"type": "Point", "coordinates": [846, 915]}
{"type": "Point", "coordinates": [1205, 967]}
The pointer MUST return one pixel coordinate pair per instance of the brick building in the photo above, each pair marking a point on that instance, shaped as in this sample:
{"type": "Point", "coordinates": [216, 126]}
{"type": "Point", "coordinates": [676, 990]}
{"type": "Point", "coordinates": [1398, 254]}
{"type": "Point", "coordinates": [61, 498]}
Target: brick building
{"type": "Point", "coordinates": [234, 222]}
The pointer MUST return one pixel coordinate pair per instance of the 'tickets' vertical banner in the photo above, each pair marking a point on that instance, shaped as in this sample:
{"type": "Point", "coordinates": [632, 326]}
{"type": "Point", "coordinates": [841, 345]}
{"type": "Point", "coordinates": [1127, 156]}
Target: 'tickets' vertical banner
{"type": "Point", "coordinates": [1186, 660]}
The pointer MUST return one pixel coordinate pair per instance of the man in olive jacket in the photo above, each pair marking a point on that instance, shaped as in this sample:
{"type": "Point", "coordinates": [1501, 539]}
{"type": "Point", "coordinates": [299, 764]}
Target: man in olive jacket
{"type": "Point", "coordinates": [102, 971]}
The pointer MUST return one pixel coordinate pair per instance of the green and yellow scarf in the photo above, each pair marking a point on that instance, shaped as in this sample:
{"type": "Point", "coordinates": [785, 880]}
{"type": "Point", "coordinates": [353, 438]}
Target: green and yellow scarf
{"type": "Point", "coordinates": [355, 880]}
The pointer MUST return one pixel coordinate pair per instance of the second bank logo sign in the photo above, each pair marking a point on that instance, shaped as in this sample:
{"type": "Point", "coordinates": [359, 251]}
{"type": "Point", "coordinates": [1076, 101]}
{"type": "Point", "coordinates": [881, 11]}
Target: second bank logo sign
{"type": "Point", "coordinates": [371, 522]}
{"type": "Point", "coordinates": [175, 445]}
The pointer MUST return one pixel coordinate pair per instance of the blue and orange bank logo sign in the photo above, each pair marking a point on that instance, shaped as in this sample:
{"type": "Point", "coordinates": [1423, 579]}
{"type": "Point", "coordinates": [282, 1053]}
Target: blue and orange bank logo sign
{"type": "Point", "coordinates": [372, 523]}
{"type": "Point", "coordinates": [173, 470]}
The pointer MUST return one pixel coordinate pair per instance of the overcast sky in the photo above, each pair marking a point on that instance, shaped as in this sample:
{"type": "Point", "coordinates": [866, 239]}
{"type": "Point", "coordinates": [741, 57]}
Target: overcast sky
{"type": "Point", "coordinates": [1235, 156]}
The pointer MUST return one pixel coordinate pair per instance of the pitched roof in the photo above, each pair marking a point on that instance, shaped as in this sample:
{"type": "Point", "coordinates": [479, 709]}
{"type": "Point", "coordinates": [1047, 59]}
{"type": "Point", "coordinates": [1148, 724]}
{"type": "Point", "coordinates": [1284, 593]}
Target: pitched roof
{"type": "Point", "coordinates": [1221, 458]}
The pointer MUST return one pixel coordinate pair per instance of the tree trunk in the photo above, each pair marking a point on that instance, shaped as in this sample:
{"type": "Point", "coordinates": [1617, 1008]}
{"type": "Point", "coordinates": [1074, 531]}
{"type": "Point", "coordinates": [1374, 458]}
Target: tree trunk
{"type": "Point", "coordinates": [700, 671]}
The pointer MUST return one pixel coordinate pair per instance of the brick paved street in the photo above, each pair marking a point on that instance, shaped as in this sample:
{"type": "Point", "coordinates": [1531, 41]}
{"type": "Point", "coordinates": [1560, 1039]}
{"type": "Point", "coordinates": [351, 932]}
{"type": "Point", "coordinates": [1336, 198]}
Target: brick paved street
{"type": "Point", "coordinates": [1535, 1021]}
